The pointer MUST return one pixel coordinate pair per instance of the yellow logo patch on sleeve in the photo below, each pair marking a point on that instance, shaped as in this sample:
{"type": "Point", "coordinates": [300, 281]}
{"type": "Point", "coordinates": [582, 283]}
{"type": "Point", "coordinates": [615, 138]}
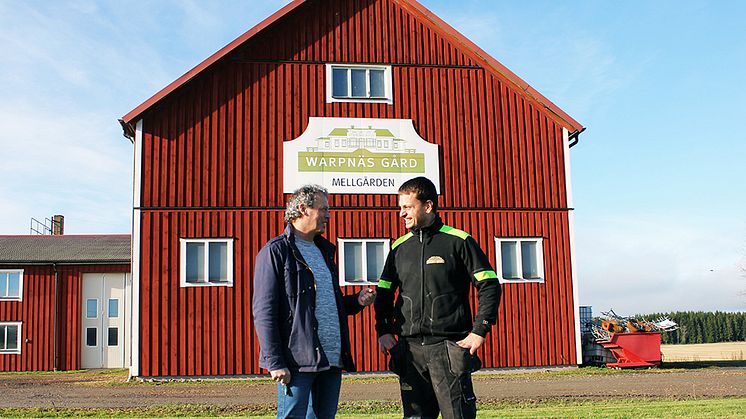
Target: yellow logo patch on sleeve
{"type": "Point", "coordinates": [435, 259]}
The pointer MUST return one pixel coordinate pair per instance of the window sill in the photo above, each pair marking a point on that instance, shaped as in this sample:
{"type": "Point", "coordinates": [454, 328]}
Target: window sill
{"type": "Point", "coordinates": [387, 101]}
{"type": "Point", "coordinates": [206, 284]}
{"type": "Point", "coordinates": [521, 280]}
{"type": "Point", "coordinates": [358, 283]}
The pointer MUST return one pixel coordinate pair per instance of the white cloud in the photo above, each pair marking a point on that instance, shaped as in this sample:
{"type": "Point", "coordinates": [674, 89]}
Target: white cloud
{"type": "Point", "coordinates": [657, 264]}
{"type": "Point", "coordinates": [75, 165]}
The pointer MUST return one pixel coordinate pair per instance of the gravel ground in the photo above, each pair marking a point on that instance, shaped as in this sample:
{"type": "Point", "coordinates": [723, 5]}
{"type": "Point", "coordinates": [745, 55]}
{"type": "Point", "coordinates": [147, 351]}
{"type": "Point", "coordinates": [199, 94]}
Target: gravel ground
{"type": "Point", "coordinates": [104, 389]}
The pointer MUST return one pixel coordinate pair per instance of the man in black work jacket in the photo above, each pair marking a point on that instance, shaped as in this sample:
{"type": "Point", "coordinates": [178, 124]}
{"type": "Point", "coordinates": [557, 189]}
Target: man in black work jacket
{"type": "Point", "coordinates": [430, 332]}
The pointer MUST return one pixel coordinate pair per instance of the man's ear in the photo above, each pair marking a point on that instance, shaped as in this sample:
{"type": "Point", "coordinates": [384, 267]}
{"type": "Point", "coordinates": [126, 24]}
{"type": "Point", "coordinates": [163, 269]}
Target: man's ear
{"type": "Point", "coordinates": [428, 206]}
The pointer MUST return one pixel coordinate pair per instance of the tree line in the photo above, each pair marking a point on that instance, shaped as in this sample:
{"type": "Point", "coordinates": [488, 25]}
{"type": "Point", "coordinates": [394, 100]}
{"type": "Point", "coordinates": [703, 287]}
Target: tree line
{"type": "Point", "coordinates": [702, 327]}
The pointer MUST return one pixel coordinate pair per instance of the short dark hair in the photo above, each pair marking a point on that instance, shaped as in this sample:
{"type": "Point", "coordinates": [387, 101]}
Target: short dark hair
{"type": "Point", "coordinates": [423, 188]}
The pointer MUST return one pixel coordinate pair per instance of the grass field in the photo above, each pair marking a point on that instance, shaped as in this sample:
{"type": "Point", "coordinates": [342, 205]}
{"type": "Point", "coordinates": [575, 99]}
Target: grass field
{"type": "Point", "coordinates": [629, 408]}
{"type": "Point", "coordinates": [728, 351]}
{"type": "Point", "coordinates": [583, 405]}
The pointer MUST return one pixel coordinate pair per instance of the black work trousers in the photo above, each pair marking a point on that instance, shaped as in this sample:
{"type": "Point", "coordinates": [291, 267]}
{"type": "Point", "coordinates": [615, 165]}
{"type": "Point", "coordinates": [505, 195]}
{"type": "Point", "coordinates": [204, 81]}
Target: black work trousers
{"type": "Point", "coordinates": [430, 372]}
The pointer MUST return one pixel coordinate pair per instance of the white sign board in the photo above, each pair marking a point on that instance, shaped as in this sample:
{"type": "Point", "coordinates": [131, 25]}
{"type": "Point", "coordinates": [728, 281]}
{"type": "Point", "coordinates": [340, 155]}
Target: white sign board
{"type": "Point", "coordinates": [359, 156]}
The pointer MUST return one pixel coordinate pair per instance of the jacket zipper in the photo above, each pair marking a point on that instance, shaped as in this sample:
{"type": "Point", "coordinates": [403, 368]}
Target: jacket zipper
{"type": "Point", "coordinates": [422, 287]}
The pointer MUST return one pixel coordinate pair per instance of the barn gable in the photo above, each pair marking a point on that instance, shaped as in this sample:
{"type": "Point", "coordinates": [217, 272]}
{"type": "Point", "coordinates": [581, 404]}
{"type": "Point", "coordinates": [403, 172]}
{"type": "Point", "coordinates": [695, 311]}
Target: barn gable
{"type": "Point", "coordinates": [402, 32]}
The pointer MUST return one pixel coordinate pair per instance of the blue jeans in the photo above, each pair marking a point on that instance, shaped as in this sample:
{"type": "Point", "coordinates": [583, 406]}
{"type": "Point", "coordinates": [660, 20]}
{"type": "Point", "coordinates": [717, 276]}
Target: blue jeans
{"type": "Point", "coordinates": [310, 395]}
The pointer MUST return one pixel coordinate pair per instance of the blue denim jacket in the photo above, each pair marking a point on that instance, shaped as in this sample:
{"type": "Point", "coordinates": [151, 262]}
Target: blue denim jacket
{"type": "Point", "coordinates": [283, 305]}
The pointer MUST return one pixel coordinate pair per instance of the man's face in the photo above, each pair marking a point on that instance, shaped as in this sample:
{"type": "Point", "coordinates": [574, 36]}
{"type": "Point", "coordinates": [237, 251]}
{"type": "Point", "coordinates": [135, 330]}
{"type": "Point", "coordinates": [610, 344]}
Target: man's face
{"type": "Point", "coordinates": [416, 214]}
{"type": "Point", "coordinates": [318, 215]}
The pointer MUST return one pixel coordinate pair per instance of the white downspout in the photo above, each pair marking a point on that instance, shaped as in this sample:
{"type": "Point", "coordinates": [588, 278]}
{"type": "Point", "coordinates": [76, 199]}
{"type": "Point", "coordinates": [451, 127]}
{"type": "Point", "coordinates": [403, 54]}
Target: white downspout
{"type": "Point", "coordinates": [136, 202]}
{"type": "Point", "coordinates": [571, 227]}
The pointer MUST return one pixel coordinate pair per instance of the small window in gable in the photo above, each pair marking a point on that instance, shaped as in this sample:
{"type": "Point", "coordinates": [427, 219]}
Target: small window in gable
{"type": "Point", "coordinates": [358, 83]}
{"type": "Point", "coordinates": [520, 259]}
{"type": "Point", "coordinates": [361, 260]}
{"type": "Point", "coordinates": [206, 262]}
{"type": "Point", "coordinates": [11, 285]}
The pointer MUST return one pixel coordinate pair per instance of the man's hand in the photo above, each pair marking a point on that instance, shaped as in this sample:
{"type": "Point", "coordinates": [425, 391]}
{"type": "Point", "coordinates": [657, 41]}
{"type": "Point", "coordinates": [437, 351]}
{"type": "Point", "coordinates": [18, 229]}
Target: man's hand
{"type": "Point", "coordinates": [386, 342]}
{"type": "Point", "coordinates": [366, 297]}
{"type": "Point", "coordinates": [472, 342]}
{"type": "Point", "coordinates": [281, 376]}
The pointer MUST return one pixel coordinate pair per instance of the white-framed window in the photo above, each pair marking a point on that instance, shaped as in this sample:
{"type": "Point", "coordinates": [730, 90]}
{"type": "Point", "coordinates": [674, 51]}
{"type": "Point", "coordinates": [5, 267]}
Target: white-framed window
{"type": "Point", "coordinates": [113, 337]}
{"type": "Point", "coordinates": [91, 337]}
{"type": "Point", "coordinates": [11, 284]}
{"type": "Point", "coordinates": [358, 83]}
{"type": "Point", "coordinates": [206, 262]}
{"type": "Point", "coordinates": [91, 308]}
{"type": "Point", "coordinates": [520, 259]}
{"type": "Point", "coordinates": [361, 260]}
{"type": "Point", "coordinates": [113, 308]}
{"type": "Point", "coordinates": [10, 337]}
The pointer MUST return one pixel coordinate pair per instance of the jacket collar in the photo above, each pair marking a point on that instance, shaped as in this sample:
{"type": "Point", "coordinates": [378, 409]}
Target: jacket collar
{"type": "Point", "coordinates": [430, 229]}
{"type": "Point", "coordinates": [325, 245]}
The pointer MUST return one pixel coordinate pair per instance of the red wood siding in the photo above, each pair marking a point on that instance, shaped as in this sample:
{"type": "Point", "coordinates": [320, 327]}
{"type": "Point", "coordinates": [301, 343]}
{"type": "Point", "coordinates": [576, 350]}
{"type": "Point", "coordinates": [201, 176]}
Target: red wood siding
{"type": "Point", "coordinates": [196, 331]}
{"type": "Point", "coordinates": [218, 141]}
{"type": "Point", "coordinates": [36, 313]}
{"type": "Point", "coordinates": [212, 167]}
{"type": "Point", "coordinates": [498, 151]}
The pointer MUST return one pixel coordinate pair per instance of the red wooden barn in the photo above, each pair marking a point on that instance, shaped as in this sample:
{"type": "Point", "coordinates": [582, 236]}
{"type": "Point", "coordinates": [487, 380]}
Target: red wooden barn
{"type": "Point", "coordinates": [356, 95]}
{"type": "Point", "coordinates": [64, 302]}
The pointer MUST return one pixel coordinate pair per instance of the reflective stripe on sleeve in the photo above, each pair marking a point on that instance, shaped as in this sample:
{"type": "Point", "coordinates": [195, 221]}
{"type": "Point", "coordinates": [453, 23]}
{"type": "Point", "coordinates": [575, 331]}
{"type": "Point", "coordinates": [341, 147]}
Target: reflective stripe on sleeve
{"type": "Point", "coordinates": [384, 284]}
{"type": "Point", "coordinates": [481, 276]}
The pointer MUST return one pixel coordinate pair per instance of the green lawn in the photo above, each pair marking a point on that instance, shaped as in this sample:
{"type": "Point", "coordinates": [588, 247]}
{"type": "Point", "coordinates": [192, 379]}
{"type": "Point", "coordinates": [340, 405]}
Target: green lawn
{"type": "Point", "coordinates": [631, 408]}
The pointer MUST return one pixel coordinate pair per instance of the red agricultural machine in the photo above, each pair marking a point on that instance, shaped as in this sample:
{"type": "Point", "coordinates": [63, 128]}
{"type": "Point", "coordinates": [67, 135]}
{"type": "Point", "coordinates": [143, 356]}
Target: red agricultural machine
{"type": "Point", "coordinates": [633, 343]}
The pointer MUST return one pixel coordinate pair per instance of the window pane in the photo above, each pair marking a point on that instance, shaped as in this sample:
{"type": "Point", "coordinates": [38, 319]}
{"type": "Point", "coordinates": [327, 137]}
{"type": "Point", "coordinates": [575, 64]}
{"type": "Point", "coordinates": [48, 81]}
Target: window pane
{"type": "Point", "coordinates": [529, 259]}
{"type": "Point", "coordinates": [353, 261]}
{"type": "Point", "coordinates": [113, 336]}
{"type": "Point", "coordinates": [90, 336]}
{"type": "Point", "coordinates": [358, 83]}
{"type": "Point", "coordinates": [2, 338]}
{"type": "Point", "coordinates": [218, 262]}
{"type": "Point", "coordinates": [91, 308]}
{"type": "Point", "coordinates": [3, 285]}
{"type": "Point", "coordinates": [113, 308]}
{"type": "Point", "coordinates": [509, 259]}
{"type": "Point", "coordinates": [339, 82]}
{"type": "Point", "coordinates": [374, 255]}
{"type": "Point", "coordinates": [377, 86]}
{"type": "Point", "coordinates": [195, 262]}
{"type": "Point", "coordinates": [14, 282]}
{"type": "Point", "coordinates": [12, 343]}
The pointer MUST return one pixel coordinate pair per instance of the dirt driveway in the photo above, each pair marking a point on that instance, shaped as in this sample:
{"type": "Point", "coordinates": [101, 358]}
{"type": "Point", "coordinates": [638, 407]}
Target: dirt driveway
{"type": "Point", "coordinates": [105, 389]}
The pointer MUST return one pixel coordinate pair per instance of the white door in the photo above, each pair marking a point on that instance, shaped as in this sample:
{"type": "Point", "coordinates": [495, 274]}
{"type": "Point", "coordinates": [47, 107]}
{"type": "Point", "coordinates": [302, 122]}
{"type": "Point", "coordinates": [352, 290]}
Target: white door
{"type": "Point", "coordinates": [103, 335]}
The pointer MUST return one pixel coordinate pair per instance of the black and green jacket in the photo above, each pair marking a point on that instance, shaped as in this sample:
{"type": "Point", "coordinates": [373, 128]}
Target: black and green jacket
{"type": "Point", "coordinates": [433, 268]}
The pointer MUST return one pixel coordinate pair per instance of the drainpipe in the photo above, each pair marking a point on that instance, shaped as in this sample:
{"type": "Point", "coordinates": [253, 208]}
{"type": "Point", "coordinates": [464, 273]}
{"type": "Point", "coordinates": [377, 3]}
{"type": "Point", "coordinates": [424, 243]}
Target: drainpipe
{"type": "Point", "coordinates": [55, 331]}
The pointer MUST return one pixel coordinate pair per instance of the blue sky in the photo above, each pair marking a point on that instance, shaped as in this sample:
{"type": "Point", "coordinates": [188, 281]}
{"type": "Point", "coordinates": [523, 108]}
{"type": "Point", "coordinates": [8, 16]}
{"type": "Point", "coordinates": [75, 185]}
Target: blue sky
{"type": "Point", "coordinates": [658, 177]}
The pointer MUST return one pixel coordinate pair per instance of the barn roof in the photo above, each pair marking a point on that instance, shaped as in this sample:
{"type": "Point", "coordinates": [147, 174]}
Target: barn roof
{"type": "Point", "coordinates": [36, 249]}
{"type": "Point", "coordinates": [414, 7]}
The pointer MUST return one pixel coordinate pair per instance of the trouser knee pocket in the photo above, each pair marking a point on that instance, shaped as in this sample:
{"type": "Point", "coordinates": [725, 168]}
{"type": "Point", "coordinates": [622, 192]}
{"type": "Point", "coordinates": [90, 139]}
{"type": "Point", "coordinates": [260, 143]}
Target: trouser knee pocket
{"type": "Point", "coordinates": [461, 364]}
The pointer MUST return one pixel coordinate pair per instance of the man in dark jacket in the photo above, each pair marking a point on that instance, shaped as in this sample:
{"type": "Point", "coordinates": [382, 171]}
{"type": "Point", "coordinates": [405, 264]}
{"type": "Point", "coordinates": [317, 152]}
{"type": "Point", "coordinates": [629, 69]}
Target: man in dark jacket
{"type": "Point", "coordinates": [300, 314]}
{"type": "Point", "coordinates": [430, 332]}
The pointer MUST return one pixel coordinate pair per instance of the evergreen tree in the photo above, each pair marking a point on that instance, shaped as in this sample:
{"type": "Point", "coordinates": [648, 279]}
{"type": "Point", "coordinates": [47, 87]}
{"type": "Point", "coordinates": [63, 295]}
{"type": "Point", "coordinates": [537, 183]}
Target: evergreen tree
{"type": "Point", "coordinates": [702, 327]}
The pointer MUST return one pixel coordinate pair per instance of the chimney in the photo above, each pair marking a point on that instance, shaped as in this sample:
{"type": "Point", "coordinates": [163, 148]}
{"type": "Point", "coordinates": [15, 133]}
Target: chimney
{"type": "Point", "coordinates": [58, 225]}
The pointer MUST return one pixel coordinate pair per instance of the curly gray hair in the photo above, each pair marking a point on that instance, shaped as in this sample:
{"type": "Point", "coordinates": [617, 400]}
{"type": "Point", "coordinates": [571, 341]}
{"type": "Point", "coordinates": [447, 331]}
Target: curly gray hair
{"type": "Point", "coordinates": [305, 195]}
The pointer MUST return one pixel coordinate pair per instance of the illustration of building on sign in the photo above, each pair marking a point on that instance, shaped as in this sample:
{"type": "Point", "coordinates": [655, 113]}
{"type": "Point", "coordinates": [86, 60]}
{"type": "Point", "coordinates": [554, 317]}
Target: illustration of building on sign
{"type": "Point", "coordinates": [351, 139]}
